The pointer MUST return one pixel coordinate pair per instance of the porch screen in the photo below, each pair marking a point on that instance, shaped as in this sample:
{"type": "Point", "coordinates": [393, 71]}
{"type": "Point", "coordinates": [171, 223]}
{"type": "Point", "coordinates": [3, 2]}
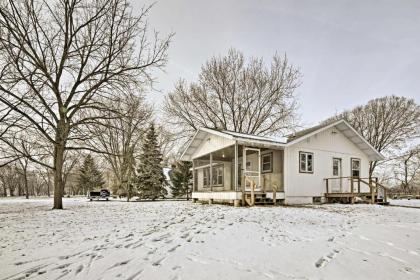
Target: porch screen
{"type": "Point", "coordinates": [217, 175]}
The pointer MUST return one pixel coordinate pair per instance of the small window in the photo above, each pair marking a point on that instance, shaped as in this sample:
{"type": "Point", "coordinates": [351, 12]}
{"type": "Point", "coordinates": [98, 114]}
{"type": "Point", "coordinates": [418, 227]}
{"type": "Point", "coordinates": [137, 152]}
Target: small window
{"type": "Point", "coordinates": [306, 162]}
{"type": "Point", "coordinates": [336, 166]}
{"type": "Point", "coordinates": [217, 175]}
{"type": "Point", "coordinates": [267, 163]}
{"type": "Point", "coordinates": [355, 167]}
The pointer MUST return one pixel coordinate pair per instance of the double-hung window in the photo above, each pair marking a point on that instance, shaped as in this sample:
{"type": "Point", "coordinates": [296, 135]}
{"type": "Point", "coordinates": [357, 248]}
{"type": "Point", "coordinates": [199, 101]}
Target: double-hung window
{"type": "Point", "coordinates": [355, 167]}
{"type": "Point", "coordinates": [306, 162]}
{"type": "Point", "coordinates": [267, 163]}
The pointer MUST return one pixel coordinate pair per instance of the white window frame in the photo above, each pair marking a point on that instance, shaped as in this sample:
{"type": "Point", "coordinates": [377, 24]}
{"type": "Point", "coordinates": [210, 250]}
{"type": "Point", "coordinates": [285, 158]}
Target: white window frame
{"type": "Point", "coordinates": [306, 160]}
{"type": "Point", "coordinates": [351, 166]}
{"type": "Point", "coordinates": [339, 161]}
{"type": "Point", "coordinates": [270, 170]}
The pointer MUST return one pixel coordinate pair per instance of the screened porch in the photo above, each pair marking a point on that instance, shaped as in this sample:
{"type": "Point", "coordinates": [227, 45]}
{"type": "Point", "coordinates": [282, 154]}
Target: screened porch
{"type": "Point", "coordinates": [238, 168]}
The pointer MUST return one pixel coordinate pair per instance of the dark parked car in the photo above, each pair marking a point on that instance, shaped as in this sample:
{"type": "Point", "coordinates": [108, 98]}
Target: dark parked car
{"type": "Point", "coordinates": [102, 194]}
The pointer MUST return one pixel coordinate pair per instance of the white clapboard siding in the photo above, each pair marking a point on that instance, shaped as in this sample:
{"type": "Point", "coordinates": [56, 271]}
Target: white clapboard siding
{"type": "Point", "coordinates": [325, 146]}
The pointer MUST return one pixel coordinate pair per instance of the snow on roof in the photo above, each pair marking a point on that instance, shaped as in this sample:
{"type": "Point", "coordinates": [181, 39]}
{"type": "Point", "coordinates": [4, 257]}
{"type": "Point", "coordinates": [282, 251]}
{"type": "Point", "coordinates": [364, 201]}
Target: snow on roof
{"type": "Point", "coordinates": [282, 140]}
{"type": "Point", "coordinates": [262, 141]}
{"type": "Point", "coordinates": [240, 138]}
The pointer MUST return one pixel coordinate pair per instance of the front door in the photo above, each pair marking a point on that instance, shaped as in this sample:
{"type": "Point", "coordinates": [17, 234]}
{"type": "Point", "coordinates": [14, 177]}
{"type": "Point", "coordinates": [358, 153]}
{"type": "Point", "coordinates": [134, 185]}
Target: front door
{"type": "Point", "coordinates": [251, 168]}
{"type": "Point", "coordinates": [336, 173]}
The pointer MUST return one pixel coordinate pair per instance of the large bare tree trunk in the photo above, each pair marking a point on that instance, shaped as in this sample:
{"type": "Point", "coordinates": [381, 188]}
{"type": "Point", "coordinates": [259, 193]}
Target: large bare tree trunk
{"type": "Point", "coordinates": [58, 179]}
{"type": "Point", "coordinates": [59, 150]}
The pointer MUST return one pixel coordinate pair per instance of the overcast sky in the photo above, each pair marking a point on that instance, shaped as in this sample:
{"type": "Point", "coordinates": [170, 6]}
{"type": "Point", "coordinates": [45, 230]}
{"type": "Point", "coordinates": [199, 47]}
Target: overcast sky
{"type": "Point", "coordinates": [348, 51]}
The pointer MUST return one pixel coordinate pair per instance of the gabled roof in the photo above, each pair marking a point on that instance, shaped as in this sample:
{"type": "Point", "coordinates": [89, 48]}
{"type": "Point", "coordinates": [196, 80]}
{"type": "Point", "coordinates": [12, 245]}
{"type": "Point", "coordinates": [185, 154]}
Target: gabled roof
{"type": "Point", "coordinates": [241, 138]}
{"type": "Point", "coordinates": [249, 139]}
{"type": "Point", "coordinates": [247, 136]}
{"type": "Point", "coordinates": [303, 132]}
{"type": "Point", "coordinates": [346, 129]}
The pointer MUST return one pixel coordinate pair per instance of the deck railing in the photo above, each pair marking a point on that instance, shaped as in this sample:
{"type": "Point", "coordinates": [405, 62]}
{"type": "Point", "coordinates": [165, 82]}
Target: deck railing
{"type": "Point", "coordinates": [357, 182]}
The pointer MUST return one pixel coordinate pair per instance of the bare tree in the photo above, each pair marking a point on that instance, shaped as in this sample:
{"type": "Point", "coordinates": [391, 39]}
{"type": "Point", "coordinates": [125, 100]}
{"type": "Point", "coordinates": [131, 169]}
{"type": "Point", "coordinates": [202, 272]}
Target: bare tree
{"type": "Point", "coordinates": [10, 177]}
{"type": "Point", "coordinates": [407, 168]}
{"type": "Point", "coordinates": [387, 123]}
{"type": "Point", "coordinates": [59, 59]}
{"type": "Point", "coordinates": [119, 136]}
{"type": "Point", "coordinates": [238, 95]}
{"type": "Point", "coordinates": [15, 146]}
{"type": "Point", "coordinates": [167, 141]}
{"type": "Point", "coordinates": [71, 161]}
{"type": "Point", "coordinates": [45, 175]}
{"type": "Point", "coordinates": [23, 170]}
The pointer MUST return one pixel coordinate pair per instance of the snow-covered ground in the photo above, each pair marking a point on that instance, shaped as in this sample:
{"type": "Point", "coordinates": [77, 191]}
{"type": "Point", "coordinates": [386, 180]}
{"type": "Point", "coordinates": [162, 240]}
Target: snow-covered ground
{"type": "Point", "coordinates": [406, 202]}
{"type": "Point", "coordinates": [182, 240]}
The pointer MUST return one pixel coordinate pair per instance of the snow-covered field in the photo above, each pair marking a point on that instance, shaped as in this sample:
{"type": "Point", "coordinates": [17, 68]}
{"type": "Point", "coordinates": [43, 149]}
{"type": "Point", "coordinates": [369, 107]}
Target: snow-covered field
{"type": "Point", "coordinates": [182, 240]}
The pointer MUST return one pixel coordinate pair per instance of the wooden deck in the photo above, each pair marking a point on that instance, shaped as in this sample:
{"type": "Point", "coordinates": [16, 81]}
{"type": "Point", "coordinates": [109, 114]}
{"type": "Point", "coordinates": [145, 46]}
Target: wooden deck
{"type": "Point", "coordinates": [347, 194]}
{"type": "Point", "coordinates": [373, 196]}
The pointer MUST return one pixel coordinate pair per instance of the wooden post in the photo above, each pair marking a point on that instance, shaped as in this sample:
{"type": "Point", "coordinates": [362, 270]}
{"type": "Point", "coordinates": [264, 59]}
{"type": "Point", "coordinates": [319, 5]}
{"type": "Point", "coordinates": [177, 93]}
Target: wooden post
{"type": "Point", "coordinates": [358, 185]}
{"type": "Point", "coordinates": [193, 175]}
{"type": "Point", "coordinates": [243, 182]}
{"type": "Point", "coordinates": [372, 197]}
{"type": "Point", "coordinates": [274, 195]}
{"type": "Point", "coordinates": [211, 172]}
{"type": "Point", "coordinates": [252, 193]}
{"type": "Point", "coordinates": [352, 190]}
{"type": "Point", "coordinates": [235, 184]}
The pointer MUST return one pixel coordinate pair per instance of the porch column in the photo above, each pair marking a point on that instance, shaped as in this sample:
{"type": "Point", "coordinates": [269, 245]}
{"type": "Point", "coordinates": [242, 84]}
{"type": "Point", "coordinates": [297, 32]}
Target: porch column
{"type": "Point", "coordinates": [193, 175]}
{"type": "Point", "coordinates": [243, 183]}
{"type": "Point", "coordinates": [211, 172]}
{"type": "Point", "coordinates": [235, 165]}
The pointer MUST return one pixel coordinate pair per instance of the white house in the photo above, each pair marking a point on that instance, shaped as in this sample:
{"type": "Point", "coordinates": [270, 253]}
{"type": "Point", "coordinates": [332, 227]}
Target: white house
{"type": "Point", "coordinates": [322, 163]}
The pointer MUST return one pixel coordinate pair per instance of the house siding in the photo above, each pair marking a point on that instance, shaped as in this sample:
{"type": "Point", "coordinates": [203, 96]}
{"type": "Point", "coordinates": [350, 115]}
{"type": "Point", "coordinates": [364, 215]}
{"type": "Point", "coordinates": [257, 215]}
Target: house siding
{"type": "Point", "coordinates": [325, 145]}
{"type": "Point", "coordinates": [212, 143]}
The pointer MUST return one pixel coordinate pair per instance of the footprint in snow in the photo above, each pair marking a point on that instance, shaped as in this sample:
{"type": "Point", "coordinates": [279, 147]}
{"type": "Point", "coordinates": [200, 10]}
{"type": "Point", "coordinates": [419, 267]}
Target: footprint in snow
{"type": "Point", "coordinates": [174, 248]}
{"type": "Point", "coordinates": [321, 262]}
{"type": "Point", "coordinates": [79, 269]}
{"type": "Point", "coordinates": [158, 262]}
{"type": "Point", "coordinates": [119, 264]}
